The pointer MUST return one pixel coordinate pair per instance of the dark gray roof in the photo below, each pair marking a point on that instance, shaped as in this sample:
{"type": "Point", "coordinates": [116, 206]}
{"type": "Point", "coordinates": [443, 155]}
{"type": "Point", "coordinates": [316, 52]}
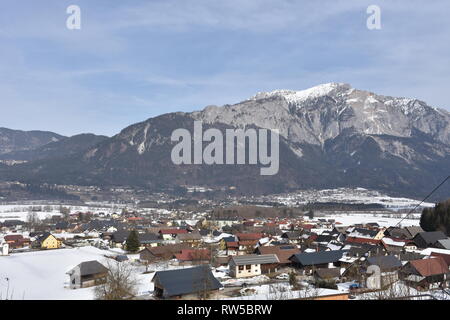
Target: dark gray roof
{"type": "Point", "coordinates": [328, 273]}
{"type": "Point", "coordinates": [409, 256]}
{"type": "Point", "coordinates": [120, 236]}
{"type": "Point", "coordinates": [385, 262]}
{"type": "Point", "coordinates": [444, 243]}
{"type": "Point", "coordinates": [62, 225]}
{"type": "Point", "coordinates": [186, 281]}
{"type": "Point", "coordinates": [92, 267]}
{"type": "Point", "coordinates": [255, 259]}
{"type": "Point", "coordinates": [148, 237]}
{"type": "Point", "coordinates": [324, 238]}
{"type": "Point", "coordinates": [292, 235]}
{"type": "Point", "coordinates": [43, 236]}
{"type": "Point", "coordinates": [315, 258]}
{"type": "Point", "coordinates": [189, 236]}
{"type": "Point", "coordinates": [216, 233]}
{"type": "Point", "coordinates": [431, 237]}
{"type": "Point", "coordinates": [413, 230]}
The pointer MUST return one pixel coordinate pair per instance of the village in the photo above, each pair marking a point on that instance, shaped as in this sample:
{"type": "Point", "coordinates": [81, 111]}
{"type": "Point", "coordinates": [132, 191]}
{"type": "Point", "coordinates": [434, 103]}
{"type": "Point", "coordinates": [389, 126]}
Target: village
{"type": "Point", "coordinates": [198, 255]}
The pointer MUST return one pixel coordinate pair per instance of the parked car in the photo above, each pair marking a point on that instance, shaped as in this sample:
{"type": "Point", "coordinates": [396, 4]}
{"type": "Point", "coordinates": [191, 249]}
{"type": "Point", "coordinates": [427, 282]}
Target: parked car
{"type": "Point", "coordinates": [282, 276]}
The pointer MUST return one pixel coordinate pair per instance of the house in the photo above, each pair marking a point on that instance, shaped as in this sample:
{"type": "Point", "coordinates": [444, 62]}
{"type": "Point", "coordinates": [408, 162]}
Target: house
{"type": "Point", "coordinates": [396, 232]}
{"type": "Point", "coordinates": [187, 283]}
{"type": "Point", "coordinates": [253, 265]}
{"type": "Point", "coordinates": [194, 238]}
{"type": "Point", "coordinates": [309, 261]}
{"type": "Point", "coordinates": [366, 233]}
{"type": "Point", "coordinates": [324, 238]}
{"type": "Point", "coordinates": [292, 236]}
{"type": "Point", "coordinates": [118, 239]}
{"type": "Point", "coordinates": [194, 255]}
{"type": "Point", "coordinates": [170, 234]}
{"type": "Point", "coordinates": [15, 241]}
{"type": "Point", "coordinates": [232, 248]}
{"type": "Point", "coordinates": [62, 226]}
{"type": "Point", "coordinates": [388, 265]}
{"type": "Point", "coordinates": [283, 253]}
{"type": "Point", "coordinates": [412, 231]}
{"type": "Point", "coordinates": [362, 240]}
{"type": "Point", "coordinates": [87, 274]}
{"type": "Point", "coordinates": [428, 239]}
{"type": "Point", "coordinates": [249, 237]}
{"type": "Point", "coordinates": [165, 252]}
{"type": "Point", "coordinates": [46, 241]}
{"type": "Point", "coordinates": [224, 240]}
{"type": "Point", "coordinates": [247, 246]}
{"type": "Point", "coordinates": [149, 239]}
{"type": "Point", "coordinates": [394, 245]}
{"type": "Point", "coordinates": [424, 273]}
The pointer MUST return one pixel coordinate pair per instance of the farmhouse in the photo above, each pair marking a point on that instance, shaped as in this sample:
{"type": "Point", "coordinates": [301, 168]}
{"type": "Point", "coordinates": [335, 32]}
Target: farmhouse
{"type": "Point", "coordinates": [188, 283]}
{"type": "Point", "coordinates": [253, 265]}
{"type": "Point", "coordinates": [428, 239]}
{"type": "Point", "coordinates": [310, 261]}
{"type": "Point", "coordinates": [16, 241]}
{"type": "Point", "coordinates": [87, 274]}
{"type": "Point", "coordinates": [46, 241]}
{"type": "Point", "coordinates": [425, 272]}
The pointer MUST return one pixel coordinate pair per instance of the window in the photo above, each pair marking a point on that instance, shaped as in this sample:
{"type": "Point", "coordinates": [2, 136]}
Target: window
{"type": "Point", "coordinates": [248, 266]}
{"type": "Point", "coordinates": [241, 267]}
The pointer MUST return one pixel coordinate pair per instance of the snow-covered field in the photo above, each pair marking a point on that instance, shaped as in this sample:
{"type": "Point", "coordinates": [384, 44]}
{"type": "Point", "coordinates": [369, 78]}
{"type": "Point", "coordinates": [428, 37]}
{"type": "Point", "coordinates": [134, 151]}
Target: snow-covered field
{"type": "Point", "coordinates": [21, 211]}
{"type": "Point", "coordinates": [382, 220]}
{"type": "Point", "coordinates": [42, 275]}
{"type": "Point", "coordinates": [349, 196]}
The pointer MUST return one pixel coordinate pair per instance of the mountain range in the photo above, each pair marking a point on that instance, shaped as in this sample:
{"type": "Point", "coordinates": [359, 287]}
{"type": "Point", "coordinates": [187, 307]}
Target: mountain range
{"type": "Point", "coordinates": [331, 135]}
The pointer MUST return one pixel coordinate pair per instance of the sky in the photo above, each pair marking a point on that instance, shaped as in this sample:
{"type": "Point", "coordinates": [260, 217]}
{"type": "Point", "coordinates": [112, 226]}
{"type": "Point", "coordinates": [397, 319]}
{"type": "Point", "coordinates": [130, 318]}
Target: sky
{"type": "Point", "coordinates": [132, 60]}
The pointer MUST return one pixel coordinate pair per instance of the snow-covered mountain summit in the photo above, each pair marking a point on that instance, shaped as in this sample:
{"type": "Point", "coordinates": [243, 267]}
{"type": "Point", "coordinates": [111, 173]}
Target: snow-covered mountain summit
{"type": "Point", "coordinates": [325, 111]}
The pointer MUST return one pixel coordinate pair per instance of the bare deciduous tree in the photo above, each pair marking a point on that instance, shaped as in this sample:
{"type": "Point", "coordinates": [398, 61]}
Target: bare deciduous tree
{"type": "Point", "coordinates": [120, 283]}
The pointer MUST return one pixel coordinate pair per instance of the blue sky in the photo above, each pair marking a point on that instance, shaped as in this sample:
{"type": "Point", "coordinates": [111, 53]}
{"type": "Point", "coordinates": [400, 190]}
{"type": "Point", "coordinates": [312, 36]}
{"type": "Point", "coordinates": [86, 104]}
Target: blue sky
{"type": "Point", "coordinates": [133, 60]}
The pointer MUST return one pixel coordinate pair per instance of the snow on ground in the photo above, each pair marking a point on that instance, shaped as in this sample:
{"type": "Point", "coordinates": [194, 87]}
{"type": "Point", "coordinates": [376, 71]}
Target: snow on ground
{"type": "Point", "coordinates": [283, 291]}
{"type": "Point", "coordinates": [348, 195]}
{"type": "Point", "coordinates": [10, 211]}
{"type": "Point", "coordinates": [42, 275]}
{"type": "Point", "coordinates": [382, 220]}
{"type": "Point", "coordinates": [252, 280]}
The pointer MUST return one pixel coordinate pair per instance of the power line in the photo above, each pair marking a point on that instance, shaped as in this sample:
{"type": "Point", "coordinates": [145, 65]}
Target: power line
{"type": "Point", "coordinates": [424, 199]}
{"type": "Point", "coordinates": [410, 212]}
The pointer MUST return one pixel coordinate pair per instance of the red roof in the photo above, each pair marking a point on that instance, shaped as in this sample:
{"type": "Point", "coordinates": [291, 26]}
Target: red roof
{"type": "Point", "coordinates": [232, 244]}
{"type": "Point", "coordinates": [362, 240]}
{"type": "Point", "coordinates": [430, 267]}
{"type": "Point", "coordinates": [248, 242]}
{"type": "Point", "coordinates": [135, 218]}
{"type": "Point", "coordinates": [193, 254]}
{"type": "Point", "coordinates": [172, 231]}
{"type": "Point", "coordinates": [13, 237]}
{"type": "Point", "coordinates": [249, 236]}
{"type": "Point", "coordinates": [446, 257]}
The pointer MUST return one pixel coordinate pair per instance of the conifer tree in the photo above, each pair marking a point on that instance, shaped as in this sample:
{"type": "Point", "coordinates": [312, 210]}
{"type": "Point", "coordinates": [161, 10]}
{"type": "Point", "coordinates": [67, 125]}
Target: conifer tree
{"type": "Point", "coordinates": [132, 244]}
